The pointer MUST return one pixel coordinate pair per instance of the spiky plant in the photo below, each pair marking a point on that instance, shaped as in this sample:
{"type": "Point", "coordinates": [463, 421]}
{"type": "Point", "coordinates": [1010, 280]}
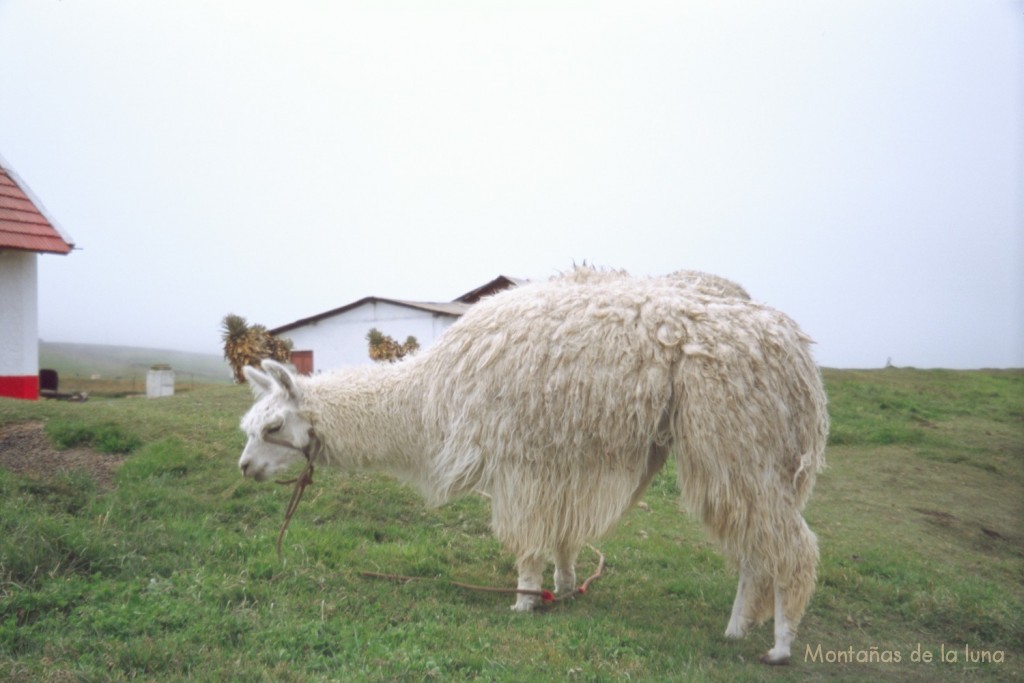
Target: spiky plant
{"type": "Point", "coordinates": [410, 346]}
{"type": "Point", "coordinates": [246, 344]}
{"type": "Point", "coordinates": [235, 335]}
{"type": "Point", "coordinates": [383, 348]}
{"type": "Point", "coordinates": [279, 349]}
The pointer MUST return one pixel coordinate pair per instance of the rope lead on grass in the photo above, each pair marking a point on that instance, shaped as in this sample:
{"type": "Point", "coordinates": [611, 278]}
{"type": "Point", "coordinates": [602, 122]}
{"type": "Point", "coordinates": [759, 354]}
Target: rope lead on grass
{"type": "Point", "coordinates": [546, 596]}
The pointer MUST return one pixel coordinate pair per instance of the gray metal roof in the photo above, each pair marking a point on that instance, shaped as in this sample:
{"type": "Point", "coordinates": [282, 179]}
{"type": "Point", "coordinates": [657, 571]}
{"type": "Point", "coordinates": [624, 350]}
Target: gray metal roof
{"type": "Point", "coordinates": [454, 309]}
{"type": "Point", "coordinates": [496, 285]}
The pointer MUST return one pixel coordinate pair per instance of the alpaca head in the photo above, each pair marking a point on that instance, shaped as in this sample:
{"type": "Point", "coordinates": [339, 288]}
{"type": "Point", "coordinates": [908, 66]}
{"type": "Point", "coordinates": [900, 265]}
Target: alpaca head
{"type": "Point", "coordinates": [279, 433]}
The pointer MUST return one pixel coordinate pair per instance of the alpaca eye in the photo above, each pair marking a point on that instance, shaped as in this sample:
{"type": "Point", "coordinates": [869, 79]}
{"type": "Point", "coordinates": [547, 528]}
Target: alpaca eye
{"type": "Point", "coordinates": [273, 429]}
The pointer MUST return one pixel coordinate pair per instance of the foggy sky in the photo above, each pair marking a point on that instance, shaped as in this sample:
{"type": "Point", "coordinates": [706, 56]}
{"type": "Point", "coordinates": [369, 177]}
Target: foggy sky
{"type": "Point", "coordinates": [856, 164]}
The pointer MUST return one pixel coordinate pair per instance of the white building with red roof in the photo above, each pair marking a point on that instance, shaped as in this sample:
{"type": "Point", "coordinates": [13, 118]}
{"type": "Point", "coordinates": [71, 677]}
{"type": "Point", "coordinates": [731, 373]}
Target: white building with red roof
{"type": "Point", "coordinates": [25, 232]}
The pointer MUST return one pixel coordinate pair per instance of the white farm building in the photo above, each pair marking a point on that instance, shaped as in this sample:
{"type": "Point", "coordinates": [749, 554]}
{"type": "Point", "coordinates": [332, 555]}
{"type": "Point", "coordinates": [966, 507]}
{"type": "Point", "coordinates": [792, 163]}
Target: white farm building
{"type": "Point", "coordinates": [337, 338]}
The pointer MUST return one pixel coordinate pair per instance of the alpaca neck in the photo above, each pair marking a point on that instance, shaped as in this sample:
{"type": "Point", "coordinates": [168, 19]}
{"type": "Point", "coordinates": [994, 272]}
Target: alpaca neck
{"type": "Point", "coordinates": [367, 420]}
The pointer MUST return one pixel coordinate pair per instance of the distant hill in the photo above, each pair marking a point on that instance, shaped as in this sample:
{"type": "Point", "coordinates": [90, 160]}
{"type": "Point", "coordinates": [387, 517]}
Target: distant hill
{"type": "Point", "coordinates": [124, 362]}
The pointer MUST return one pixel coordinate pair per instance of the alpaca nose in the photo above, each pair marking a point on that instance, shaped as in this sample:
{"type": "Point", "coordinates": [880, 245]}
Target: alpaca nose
{"type": "Point", "coordinates": [244, 466]}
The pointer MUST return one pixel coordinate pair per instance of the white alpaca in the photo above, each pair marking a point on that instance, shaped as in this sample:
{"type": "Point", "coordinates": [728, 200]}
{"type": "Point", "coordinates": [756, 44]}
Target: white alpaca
{"type": "Point", "coordinates": [562, 399]}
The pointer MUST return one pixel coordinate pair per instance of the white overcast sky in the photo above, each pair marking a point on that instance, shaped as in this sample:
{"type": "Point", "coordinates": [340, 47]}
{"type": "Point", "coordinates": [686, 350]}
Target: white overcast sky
{"type": "Point", "coordinates": [858, 164]}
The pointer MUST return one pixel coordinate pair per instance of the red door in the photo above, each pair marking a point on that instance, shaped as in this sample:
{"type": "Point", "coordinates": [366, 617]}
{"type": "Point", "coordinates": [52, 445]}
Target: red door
{"type": "Point", "coordinates": [303, 362]}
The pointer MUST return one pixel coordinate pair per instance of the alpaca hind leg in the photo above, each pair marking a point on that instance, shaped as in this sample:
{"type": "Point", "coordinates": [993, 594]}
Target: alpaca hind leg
{"type": "Point", "coordinates": [785, 631]}
{"type": "Point", "coordinates": [656, 457]}
{"type": "Point", "coordinates": [741, 619]}
{"type": "Point", "coordinates": [531, 578]}
{"type": "Point", "coordinates": [738, 621]}
{"type": "Point", "coordinates": [793, 588]}
{"type": "Point", "coordinates": [565, 570]}
{"type": "Point", "coordinates": [755, 597]}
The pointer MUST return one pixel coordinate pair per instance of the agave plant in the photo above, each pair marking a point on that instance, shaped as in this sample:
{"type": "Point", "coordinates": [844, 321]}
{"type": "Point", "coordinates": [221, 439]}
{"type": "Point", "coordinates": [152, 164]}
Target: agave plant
{"type": "Point", "coordinates": [246, 344]}
{"type": "Point", "coordinates": [279, 349]}
{"type": "Point", "coordinates": [383, 348]}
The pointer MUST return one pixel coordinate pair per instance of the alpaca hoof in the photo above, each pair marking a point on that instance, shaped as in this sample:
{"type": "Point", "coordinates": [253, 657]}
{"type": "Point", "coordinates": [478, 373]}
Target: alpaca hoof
{"type": "Point", "coordinates": [735, 631]}
{"type": "Point", "coordinates": [738, 627]}
{"type": "Point", "coordinates": [523, 606]}
{"type": "Point", "coordinates": [775, 660]}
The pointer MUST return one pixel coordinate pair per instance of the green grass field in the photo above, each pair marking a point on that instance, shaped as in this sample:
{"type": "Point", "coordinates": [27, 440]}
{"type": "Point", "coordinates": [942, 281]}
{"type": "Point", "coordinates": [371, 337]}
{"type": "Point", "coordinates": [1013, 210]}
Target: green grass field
{"type": "Point", "coordinates": [117, 371]}
{"type": "Point", "coordinates": [172, 574]}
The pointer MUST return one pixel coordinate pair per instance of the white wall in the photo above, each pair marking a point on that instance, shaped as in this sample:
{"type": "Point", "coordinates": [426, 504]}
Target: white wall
{"type": "Point", "coordinates": [19, 324]}
{"type": "Point", "coordinates": [341, 340]}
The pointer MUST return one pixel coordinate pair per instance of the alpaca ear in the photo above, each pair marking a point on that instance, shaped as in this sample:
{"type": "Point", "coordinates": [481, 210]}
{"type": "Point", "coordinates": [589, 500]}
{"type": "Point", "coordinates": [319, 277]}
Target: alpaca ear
{"type": "Point", "coordinates": [259, 382]}
{"type": "Point", "coordinates": [283, 377]}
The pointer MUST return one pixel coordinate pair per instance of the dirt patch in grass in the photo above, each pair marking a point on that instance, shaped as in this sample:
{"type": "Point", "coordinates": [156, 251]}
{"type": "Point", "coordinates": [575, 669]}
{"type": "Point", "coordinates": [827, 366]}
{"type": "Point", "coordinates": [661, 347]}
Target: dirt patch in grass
{"type": "Point", "coordinates": [26, 449]}
{"type": "Point", "coordinates": [938, 517]}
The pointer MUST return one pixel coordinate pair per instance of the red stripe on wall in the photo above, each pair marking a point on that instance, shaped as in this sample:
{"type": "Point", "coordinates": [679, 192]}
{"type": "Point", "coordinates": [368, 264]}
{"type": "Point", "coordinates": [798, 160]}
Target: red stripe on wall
{"type": "Point", "coordinates": [20, 387]}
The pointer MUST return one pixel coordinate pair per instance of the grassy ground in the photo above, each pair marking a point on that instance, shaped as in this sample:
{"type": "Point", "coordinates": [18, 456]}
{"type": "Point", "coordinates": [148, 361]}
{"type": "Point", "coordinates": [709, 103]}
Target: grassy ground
{"type": "Point", "coordinates": [173, 574]}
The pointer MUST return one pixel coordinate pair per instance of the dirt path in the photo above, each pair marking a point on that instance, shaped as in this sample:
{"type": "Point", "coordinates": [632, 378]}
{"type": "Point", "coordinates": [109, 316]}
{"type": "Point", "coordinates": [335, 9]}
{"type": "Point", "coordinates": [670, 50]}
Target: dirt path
{"type": "Point", "coordinates": [25, 449]}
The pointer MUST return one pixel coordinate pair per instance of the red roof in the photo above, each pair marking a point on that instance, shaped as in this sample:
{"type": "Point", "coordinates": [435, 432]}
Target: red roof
{"type": "Point", "coordinates": [23, 224]}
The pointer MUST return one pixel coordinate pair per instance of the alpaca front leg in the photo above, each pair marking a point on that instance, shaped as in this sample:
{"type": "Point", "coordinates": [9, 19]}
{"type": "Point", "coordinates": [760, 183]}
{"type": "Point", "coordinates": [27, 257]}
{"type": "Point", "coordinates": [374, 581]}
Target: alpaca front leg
{"type": "Point", "coordinates": [531, 578]}
{"type": "Point", "coordinates": [565, 570]}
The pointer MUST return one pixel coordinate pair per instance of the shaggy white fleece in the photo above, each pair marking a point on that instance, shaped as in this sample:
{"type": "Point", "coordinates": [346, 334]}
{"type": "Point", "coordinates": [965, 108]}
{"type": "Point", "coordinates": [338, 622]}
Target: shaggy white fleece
{"type": "Point", "coordinates": [562, 399]}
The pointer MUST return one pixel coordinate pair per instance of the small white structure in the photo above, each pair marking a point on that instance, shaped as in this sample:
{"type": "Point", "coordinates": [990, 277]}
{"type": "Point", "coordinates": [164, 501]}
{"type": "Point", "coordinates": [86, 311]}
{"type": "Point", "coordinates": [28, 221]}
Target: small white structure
{"type": "Point", "coordinates": [337, 338]}
{"type": "Point", "coordinates": [160, 381]}
{"type": "Point", "coordinates": [19, 345]}
{"type": "Point", "coordinates": [25, 231]}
